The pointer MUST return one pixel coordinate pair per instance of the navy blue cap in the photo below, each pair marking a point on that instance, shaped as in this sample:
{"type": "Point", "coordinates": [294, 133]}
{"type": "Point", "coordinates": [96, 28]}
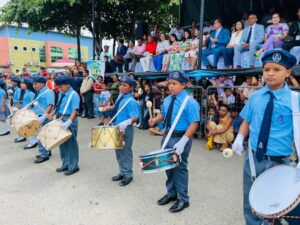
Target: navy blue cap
{"type": "Point", "coordinates": [279, 56]}
{"type": "Point", "coordinates": [26, 81]}
{"type": "Point", "coordinates": [179, 76]}
{"type": "Point", "coordinates": [39, 79]}
{"type": "Point", "coordinates": [15, 79]}
{"type": "Point", "coordinates": [2, 82]}
{"type": "Point", "coordinates": [129, 80]}
{"type": "Point", "coordinates": [63, 80]}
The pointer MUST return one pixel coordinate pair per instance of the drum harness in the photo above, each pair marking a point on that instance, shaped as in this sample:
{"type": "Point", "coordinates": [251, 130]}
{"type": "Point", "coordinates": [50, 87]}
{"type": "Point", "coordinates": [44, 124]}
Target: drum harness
{"type": "Point", "coordinates": [296, 122]}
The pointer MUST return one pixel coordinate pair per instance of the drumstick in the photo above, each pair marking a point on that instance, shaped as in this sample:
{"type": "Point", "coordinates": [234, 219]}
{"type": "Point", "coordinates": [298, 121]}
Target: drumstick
{"type": "Point", "coordinates": [149, 106]}
{"type": "Point", "coordinates": [38, 105]}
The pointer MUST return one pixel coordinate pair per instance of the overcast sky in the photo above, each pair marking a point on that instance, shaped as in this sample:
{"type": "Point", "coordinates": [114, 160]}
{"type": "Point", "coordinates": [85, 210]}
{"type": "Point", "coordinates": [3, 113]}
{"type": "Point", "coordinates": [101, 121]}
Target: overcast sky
{"type": "Point", "coordinates": [2, 2]}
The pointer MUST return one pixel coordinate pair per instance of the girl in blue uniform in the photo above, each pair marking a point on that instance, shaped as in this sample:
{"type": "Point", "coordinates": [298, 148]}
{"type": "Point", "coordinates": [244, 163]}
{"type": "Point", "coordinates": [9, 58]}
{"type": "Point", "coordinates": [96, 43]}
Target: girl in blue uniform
{"type": "Point", "coordinates": [4, 111]}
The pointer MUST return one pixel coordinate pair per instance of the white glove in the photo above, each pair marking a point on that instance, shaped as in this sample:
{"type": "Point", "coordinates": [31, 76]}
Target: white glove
{"type": "Point", "coordinates": [66, 124]}
{"type": "Point", "coordinates": [179, 146]}
{"type": "Point", "coordinates": [237, 145]}
{"type": "Point", "coordinates": [122, 126]}
{"type": "Point", "coordinates": [42, 118]}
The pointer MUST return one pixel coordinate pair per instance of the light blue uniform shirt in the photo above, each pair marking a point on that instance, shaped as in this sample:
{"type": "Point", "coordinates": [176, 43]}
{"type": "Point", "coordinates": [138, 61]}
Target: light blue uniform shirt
{"type": "Point", "coordinates": [130, 111]}
{"type": "Point", "coordinates": [73, 105]}
{"type": "Point", "coordinates": [27, 98]}
{"type": "Point", "coordinates": [16, 96]}
{"type": "Point", "coordinates": [281, 137]}
{"type": "Point", "coordinates": [190, 114]}
{"type": "Point", "coordinates": [2, 94]}
{"type": "Point", "coordinates": [45, 100]}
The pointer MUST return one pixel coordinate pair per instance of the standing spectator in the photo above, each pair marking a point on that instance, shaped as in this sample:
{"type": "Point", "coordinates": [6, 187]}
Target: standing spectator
{"type": "Point", "coordinates": [207, 28]}
{"type": "Point", "coordinates": [178, 31]}
{"type": "Point", "coordinates": [294, 35]}
{"type": "Point", "coordinates": [115, 88]}
{"type": "Point", "coordinates": [228, 52]}
{"type": "Point", "coordinates": [148, 95]}
{"type": "Point", "coordinates": [52, 86]}
{"type": "Point", "coordinates": [108, 68]}
{"type": "Point", "coordinates": [177, 58]}
{"type": "Point", "coordinates": [191, 55]}
{"type": "Point", "coordinates": [127, 57]}
{"type": "Point", "coordinates": [274, 36]}
{"type": "Point", "coordinates": [86, 91]}
{"type": "Point", "coordinates": [246, 89]}
{"type": "Point", "coordinates": [105, 101]}
{"type": "Point", "coordinates": [236, 120]}
{"type": "Point", "coordinates": [156, 32]}
{"type": "Point", "coordinates": [137, 53]}
{"type": "Point", "coordinates": [252, 38]}
{"type": "Point", "coordinates": [105, 52]}
{"type": "Point", "coordinates": [137, 94]}
{"type": "Point", "coordinates": [173, 48]}
{"type": "Point", "coordinates": [216, 43]}
{"type": "Point", "coordinates": [161, 49]}
{"type": "Point", "coordinates": [97, 91]}
{"type": "Point", "coordinates": [245, 16]}
{"type": "Point", "coordinates": [150, 51]}
{"type": "Point", "coordinates": [118, 61]}
{"type": "Point", "coordinates": [267, 19]}
{"type": "Point", "coordinates": [193, 27]}
{"type": "Point", "coordinates": [227, 97]}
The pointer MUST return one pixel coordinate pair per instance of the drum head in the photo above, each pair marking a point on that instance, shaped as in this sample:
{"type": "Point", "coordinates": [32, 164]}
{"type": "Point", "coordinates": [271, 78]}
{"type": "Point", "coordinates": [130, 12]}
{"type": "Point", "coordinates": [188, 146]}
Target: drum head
{"type": "Point", "coordinates": [275, 192]}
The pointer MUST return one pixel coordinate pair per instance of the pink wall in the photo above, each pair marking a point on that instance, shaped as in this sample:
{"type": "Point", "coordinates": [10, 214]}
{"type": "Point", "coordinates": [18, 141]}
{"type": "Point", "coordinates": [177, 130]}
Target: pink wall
{"type": "Point", "coordinates": [4, 51]}
{"type": "Point", "coordinates": [65, 48]}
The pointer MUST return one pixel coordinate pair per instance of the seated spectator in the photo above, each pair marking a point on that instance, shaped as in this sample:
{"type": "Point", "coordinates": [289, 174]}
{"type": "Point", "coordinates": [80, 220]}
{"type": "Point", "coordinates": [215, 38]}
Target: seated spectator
{"type": "Point", "coordinates": [222, 133]}
{"type": "Point", "coordinates": [178, 31]}
{"type": "Point", "coordinates": [127, 57]}
{"type": "Point", "coordinates": [137, 53]}
{"type": "Point", "coordinates": [193, 27]}
{"type": "Point", "coordinates": [105, 101]}
{"type": "Point", "coordinates": [161, 49]}
{"type": "Point", "coordinates": [159, 130]}
{"type": "Point", "coordinates": [118, 61]}
{"type": "Point", "coordinates": [150, 51]}
{"type": "Point", "coordinates": [176, 58]}
{"type": "Point", "coordinates": [207, 28]}
{"type": "Point", "coordinates": [267, 19]}
{"type": "Point", "coordinates": [173, 48]}
{"type": "Point", "coordinates": [293, 38]}
{"type": "Point", "coordinates": [236, 120]}
{"type": "Point", "coordinates": [235, 40]}
{"type": "Point", "coordinates": [274, 36]}
{"type": "Point", "coordinates": [215, 43]}
{"type": "Point", "coordinates": [191, 55]}
{"type": "Point", "coordinates": [105, 52]}
{"type": "Point", "coordinates": [252, 38]}
{"type": "Point", "coordinates": [246, 89]}
{"type": "Point", "coordinates": [221, 82]}
{"type": "Point", "coordinates": [227, 98]}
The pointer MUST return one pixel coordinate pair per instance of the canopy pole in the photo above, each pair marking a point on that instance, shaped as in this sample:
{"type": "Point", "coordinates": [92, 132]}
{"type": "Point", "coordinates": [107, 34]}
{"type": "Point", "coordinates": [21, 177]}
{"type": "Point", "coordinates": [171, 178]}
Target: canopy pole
{"type": "Point", "coordinates": [201, 34]}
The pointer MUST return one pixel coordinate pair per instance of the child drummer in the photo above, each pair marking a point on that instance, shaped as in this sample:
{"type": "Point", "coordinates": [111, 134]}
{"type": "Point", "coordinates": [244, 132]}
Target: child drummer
{"type": "Point", "coordinates": [181, 139]}
{"type": "Point", "coordinates": [69, 152]}
{"type": "Point", "coordinates": [124, 120]}
{"type": "Point", "coordinates": [4, 111]}
{"type": "Point", "coordinates": [269, 122]}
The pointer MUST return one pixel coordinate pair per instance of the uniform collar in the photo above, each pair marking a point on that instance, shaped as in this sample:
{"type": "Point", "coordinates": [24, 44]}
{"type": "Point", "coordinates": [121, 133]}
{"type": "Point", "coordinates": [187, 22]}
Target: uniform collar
{"type": "Point", "coordinates": [43, 89]}
{"type": "Point", "coordinates": [68, 92]}
{"type": "Point", "coordinates": [279, 94]}
{"type": "Point", "coordinates": [181, 94]}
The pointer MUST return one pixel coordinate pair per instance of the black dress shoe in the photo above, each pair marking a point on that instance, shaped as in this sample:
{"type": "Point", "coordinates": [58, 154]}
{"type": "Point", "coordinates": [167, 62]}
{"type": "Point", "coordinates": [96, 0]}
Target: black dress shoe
{"type": "Point", "coordinates": [61, 169]}
{"type": "Point", "coordinates": [166, 200]}
{"type": "Point", "coordinates": [125, 181]}
{"type": "Point", "coordinates": [6, 133]}
{"type": "Point", "coordinates": [179, 206]}
{"type": "Point", "coordinates": [30, 146]}
{"type": "Point", "coordinates": [100, 124]}
{"type": "Point", "coordinates": [41, 159]}
{"type": "Point", "coordinates": [117, 178]}
{"type": "Point", "coordinates": [18, 140]}
{"type": "Point", "coordinates": [70, 172]}
{"type": "Point", "coordinates": [38, 156]}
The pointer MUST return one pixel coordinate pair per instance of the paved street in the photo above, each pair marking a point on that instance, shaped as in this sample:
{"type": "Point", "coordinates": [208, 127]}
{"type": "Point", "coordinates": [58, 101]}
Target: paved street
{"type": "Point", "coordinates": [36, 195]}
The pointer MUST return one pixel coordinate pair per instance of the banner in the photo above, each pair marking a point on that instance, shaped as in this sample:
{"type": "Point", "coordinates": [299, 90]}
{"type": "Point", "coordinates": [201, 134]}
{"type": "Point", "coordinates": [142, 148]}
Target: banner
{"type": "Point", "coordinates": [96, 68]}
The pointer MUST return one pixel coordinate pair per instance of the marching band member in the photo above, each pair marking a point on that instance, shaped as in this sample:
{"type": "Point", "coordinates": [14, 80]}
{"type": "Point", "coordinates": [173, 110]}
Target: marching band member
{"type": "Point", "coordinates": [128, 116]}
{"type": "Point", "coordinates": [4, 113]}
{"type": "Point", "coordinates": [268, 120]}
{"type": "Point", "coordinates": [45, 98]}
{"type": "Point", "coordinates": [69, 152]}
{"type": "Point", "coordinates": [15, 82]}
{"type": "Point", "coordinates": [181, 139]}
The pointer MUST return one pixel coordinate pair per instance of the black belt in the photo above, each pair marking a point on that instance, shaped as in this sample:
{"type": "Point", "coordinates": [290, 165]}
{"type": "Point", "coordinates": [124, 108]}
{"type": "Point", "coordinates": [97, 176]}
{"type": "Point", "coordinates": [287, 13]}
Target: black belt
{"type": "Point", "coordinates": [277, 159]}
{"type": "Point", "coordinates": [61, 115]}
{"type": "Point", "coordinates": [176, 133]}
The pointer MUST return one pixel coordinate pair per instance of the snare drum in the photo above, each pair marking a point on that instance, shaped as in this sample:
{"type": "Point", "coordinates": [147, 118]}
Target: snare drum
{"type": "Point", "coordinates": [106, 138]}
{"type": "Point", "coordinates": [25, 122]}
{"type": "Point", "coordinates": [52, 135]}
{"type": "Point", "coordinates": [159, 161]}
{"type": "Point", "coordinates": [275, 196]}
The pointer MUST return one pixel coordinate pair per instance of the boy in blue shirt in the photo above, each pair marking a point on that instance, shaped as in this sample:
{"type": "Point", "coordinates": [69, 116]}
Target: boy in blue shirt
{"type": "Point", "coordinates": [181, 139]}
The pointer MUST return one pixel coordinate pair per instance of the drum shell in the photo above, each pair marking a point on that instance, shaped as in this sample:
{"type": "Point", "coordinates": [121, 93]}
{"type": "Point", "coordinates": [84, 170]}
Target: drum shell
{"type": "Point", "coordinates": [159, 161]}
{"type": "Point", "coordinates": [107, 138]}
{"type": "Point", "coordinates": [52, 135]}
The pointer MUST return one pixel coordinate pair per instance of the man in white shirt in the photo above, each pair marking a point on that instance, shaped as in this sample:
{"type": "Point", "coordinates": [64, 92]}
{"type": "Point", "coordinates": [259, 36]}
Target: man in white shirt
{"type": "Point", "coordinates": [178, 31]}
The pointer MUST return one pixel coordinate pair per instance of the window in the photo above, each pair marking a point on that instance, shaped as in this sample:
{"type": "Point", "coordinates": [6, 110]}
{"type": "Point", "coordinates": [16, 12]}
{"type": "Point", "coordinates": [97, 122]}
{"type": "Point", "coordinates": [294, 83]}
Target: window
{"type": "Point", "coordinates": [24, 48]}
{"type": "Point", "coordinates": [33, 49]}
{"type": "Point", "coordinates": [73, 53]}
{"type": "Point", "coordinates": [16, 48]}
{"type": "Point", "coordinates": [42, 54]}
{"type": "Point", "coordinates": [56, 53]}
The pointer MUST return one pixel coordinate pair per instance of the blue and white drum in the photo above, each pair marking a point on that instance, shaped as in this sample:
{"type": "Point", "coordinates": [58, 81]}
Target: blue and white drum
{"type": "Point", "coordinates": [275, 196]}
{"type": "Point", "coordinates": [159, 161]}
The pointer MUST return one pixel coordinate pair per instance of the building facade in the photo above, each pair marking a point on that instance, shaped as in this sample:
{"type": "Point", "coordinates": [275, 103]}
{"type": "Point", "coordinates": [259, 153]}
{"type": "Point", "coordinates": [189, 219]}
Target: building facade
{"type": "Point", "coordinates": [20, 49]}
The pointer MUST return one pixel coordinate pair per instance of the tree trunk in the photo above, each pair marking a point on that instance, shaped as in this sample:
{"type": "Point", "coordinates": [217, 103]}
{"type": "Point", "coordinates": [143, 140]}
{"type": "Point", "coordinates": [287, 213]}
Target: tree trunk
{"type": "Point", "coordinates": [78, 44]}
{"type": "Point", "coordinates": [114, 47]}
